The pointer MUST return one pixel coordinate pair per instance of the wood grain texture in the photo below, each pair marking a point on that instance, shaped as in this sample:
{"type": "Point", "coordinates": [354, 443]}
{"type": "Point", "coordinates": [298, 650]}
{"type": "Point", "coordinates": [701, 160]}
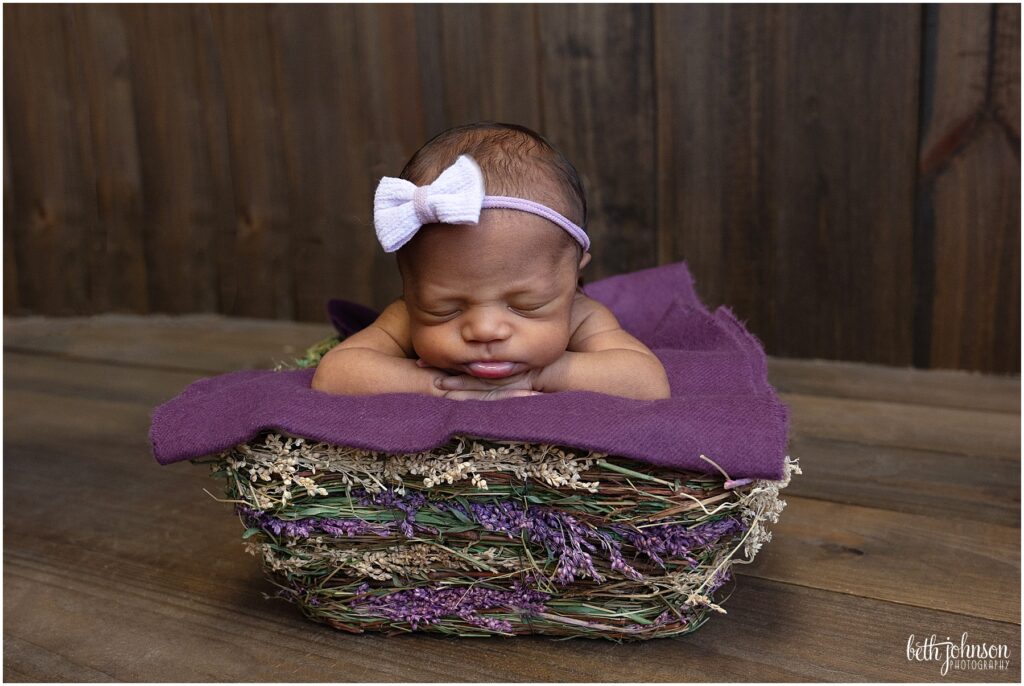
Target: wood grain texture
{"type": "Point", "coordinates": [259, 273]}
{"type": "Point", "coordinates": [206, 343]}
{"type": "Point", "coordinates": [598, 107]}
{"type": "Point", "coordinates": [489, 61]}
{"type": "Point", "coordinates": [977, 231]}
{"type": "Point", "coordinates": [184, 192]}
{"type": "Point", "coordinates": [52, 201]}
{"type": "Point", "coordinates": [1006, 71]}
{"type": "Point", "coordinates": [912, 480]}
{"type": "Point", "coordinates": [716, 132]}
{"type": "Point", "coordinates": [11, 300]}
{"type": "Point", "coordinates": [898, 425]}
{"type": "Point", "coordinates": [846, 178]}
{"type": "Point", "coordinates": [897, 557]}
{"type": "Point", "coordinates": [791, 199]}
{"type": "Point", "coordinates": [941, 388]}
{"type": "Point", "coordinates": [327, 124]}
{"type": "Point", "coordinates": [103, 70]}
{"type": "Point", "coordinates": [852, 571]}
{"type": "Point", "coordinates": [969, 191]}
{"type": "Point", "coordinates": [393, 112]}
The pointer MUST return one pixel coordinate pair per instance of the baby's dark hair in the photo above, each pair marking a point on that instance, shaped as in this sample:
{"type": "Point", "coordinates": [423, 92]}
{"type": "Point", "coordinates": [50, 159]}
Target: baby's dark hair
{"type": "Point", "coordinates": [510, 157]}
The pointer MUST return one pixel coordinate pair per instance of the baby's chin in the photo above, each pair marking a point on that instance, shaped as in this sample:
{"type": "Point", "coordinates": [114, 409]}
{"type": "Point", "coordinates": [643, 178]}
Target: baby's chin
{"type": "Point", "coordinates": [492, 366]}
{"type": "Point", "coordinates": [485, 369]}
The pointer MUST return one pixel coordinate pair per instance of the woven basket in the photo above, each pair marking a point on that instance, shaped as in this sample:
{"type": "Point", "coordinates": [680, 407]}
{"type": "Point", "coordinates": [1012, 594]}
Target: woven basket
{"type": "Point", "coordinates": [482, 538]}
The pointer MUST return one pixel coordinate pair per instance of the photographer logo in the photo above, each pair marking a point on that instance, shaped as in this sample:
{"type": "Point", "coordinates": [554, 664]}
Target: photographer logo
{"type": "Point", "coordinates": [958, 655]}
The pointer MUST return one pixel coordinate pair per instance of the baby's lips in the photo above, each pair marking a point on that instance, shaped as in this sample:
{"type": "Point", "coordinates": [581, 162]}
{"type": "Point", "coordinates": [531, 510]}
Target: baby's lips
{"type": "Point", "coordinates": [491, 369]}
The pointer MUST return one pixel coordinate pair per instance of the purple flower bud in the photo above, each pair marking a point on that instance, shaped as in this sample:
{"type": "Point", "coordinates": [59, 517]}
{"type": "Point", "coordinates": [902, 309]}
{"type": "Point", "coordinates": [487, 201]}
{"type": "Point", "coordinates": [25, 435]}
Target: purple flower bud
{"type": "Point", "coordinates": [429, 605]}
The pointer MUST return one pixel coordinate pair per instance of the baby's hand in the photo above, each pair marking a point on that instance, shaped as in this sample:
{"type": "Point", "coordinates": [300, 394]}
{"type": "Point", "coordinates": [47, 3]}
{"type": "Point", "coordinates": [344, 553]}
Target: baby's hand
{"type": "Point", "coordinates": [468, 387]}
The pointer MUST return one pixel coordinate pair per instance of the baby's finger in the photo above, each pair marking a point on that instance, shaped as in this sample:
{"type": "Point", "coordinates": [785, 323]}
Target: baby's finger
{"type": "Point", "coordinates": [512, 393]}
{"type": "Point", "coordinates": [421, 363]}
{"type": "Point", "coordinates": [497, 394]}
{"type": "Point", "coordinates": [462, 382]}
{"type": "Point", "coordinates": [466, 382]}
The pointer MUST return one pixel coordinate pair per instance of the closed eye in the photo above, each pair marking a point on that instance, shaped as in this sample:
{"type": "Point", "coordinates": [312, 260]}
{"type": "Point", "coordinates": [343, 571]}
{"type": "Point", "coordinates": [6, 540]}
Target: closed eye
{"type": "Point", "coordinates": [441, 314]}
{"type": "Point", "coordinates": [526, 309]}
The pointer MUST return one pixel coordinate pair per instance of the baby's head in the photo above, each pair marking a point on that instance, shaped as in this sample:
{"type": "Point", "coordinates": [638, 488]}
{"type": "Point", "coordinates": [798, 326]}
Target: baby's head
{"type": "Point", "coordinates": [495, 298]}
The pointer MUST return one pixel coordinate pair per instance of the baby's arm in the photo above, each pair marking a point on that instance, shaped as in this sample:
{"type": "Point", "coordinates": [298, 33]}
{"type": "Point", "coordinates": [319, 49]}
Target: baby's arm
{"type": "Point", "coordinates": [602, 357]}
{"type": "Point", "coordinates": [377, 359]}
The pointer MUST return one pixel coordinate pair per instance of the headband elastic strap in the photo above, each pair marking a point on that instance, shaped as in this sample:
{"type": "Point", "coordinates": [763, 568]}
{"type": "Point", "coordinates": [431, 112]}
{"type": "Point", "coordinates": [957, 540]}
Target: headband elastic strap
{"type": "Point", "coordinates": [509, 203]}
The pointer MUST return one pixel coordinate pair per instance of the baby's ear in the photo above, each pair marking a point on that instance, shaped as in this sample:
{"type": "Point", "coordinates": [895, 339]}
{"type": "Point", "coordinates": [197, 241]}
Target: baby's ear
{"type": "Point", "coordinates": [585, 260]}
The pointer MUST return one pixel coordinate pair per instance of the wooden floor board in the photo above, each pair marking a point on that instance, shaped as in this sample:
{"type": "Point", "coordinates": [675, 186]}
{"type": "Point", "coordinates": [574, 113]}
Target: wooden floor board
{"type": "Point", "coordinates": [99, 380]}
{"type": "Point", "coordinates": [900, 425]}
{"type": "Point", "coordinates": [857, 380]}
{"type": "Point", "coordinates": [925, 482]}
{"type": "Point", "coordinates": [913, 559]}
{"type": "Point", "coordinates": [39, 664]}
{"type": "Point", "coordinates": [202, 342]}
{"type": "Point", "coordinates": [905, 521]}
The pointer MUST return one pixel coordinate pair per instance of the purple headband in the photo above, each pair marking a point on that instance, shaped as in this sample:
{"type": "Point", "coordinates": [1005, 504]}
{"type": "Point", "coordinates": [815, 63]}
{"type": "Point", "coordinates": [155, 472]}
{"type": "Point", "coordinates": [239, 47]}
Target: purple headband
{"type": "Point", "coordinates": [506, 203]}
{"type": "Point", "coordinates": [400, 207]}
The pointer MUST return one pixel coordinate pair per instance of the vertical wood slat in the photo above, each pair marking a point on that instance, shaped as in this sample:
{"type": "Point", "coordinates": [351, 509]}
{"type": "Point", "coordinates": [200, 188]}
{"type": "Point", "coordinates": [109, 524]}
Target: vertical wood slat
{"type": "Point", "coordinates": [969, 311]}
{"type": "Point", "coordinates": [489, 56]}
{"type": "Point", "coordinates": [393, 115]}
{"type": "Point", "coordinates": [429, 69]}
{"type": "Point", "coordinates": [326, 124]}
{"type": "Point", "coordinates": [786, 137]}
{"type": "Point", "coordinates": [179, 188]}
{"type": "Point", "coordinates": [12, 302]}
{"type": "Point", "coordinates": [598, 101]}
{"type": "Point", "coordinates": [100, 51]}
{"type": "Point", "coordinates": [259, 271]}
{"type": "Point", "coordinates": [93, 241]}
{"type": "Point", "coordinates": [1006, 81]}
{"type": "Point", "coordinates": [716, 131]}
{"type": "Point", "coordinates": [51, 202]}
{"type": "Point", "coordinates": [213, 115]}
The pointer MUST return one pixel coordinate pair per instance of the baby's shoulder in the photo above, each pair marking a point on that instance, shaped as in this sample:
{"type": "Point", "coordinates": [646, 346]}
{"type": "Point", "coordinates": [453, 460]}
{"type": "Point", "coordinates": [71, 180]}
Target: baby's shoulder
{"type": "Point", "coordinates": [396, 314]}
{"type": "Point", "coordinates": [394, 321]}
{"type": "Point", "coordinates": [587, 312]}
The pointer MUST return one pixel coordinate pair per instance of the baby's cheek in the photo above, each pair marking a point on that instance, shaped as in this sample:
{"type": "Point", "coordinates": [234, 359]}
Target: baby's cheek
{"type": "Point", "coordinates": [429, 345]}
{"type": "Point", "coordinates": [552, 343]}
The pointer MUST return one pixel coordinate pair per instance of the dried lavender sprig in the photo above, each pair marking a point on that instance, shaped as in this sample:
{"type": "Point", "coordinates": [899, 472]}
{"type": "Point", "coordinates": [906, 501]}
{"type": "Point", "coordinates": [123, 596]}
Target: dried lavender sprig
{"type": "Point", "coordinates": [677, 540]}
{"type": "Point", "coordinates": [409, 505]}
{"type": "Point", "coordinates": [430, 604]}
{"type": "Point", "coordinates": [304, 528]}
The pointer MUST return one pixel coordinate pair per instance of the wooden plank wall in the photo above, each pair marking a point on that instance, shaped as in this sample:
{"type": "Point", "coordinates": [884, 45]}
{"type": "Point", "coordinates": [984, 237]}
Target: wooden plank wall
{"type": "Point", "coordinates": [847, 178]}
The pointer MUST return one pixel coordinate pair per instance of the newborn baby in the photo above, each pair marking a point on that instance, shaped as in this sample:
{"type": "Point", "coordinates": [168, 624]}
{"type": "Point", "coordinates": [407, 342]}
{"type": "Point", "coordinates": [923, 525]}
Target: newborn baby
{"type": "Point", "coordinates": [491, 306]}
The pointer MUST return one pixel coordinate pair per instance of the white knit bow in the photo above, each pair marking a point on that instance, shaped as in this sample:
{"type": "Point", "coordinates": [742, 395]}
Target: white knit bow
{"type": "Point", "coordinates": [401, 207]}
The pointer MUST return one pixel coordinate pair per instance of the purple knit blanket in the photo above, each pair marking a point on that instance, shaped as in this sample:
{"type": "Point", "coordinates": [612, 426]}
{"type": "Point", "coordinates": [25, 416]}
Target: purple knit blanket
{"type": "Point", "coordinates": [722, 405]}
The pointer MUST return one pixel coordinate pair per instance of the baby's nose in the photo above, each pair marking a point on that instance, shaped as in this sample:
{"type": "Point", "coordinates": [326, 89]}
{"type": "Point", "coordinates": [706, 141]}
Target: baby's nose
{"type": "Point", "coordinates": [485, 326]}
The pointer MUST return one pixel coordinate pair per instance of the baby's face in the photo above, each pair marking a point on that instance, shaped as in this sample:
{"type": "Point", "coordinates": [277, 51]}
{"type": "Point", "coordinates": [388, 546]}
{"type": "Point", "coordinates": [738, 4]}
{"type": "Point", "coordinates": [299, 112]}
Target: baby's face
{"type": "Point", "coordinates": [493, 299]}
